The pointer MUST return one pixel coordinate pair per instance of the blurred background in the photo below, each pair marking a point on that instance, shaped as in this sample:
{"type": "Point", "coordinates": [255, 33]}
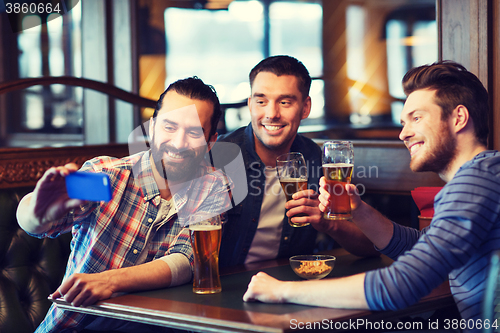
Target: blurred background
{"type": "Point", "coordinates": [357, 52]}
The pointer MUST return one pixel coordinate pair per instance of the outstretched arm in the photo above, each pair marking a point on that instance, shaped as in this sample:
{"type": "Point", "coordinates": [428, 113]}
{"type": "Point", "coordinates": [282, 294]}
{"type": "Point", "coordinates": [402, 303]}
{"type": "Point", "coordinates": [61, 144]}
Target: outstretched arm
{"type": "Point", "coordinates": [86, 289]}
{"type": "Point", "coordinates": [347, 292]}
{"type": "Point", "coordinates": [48, 202]}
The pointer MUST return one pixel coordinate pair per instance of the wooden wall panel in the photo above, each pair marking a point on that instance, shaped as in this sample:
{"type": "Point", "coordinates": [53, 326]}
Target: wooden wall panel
{"type": "Point", "coordinates": [469, 32]}
{"type": "Point", "coordinates": [464, 30]}
{"type": "Point", "coordinates": [334, 59]}
{"type": "Point", "coordinates": [495, 76]}
{"type": "Point", "coordinates": [21, 167]}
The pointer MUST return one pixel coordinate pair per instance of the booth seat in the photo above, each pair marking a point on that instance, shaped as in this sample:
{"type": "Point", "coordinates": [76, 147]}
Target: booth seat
{"type": "Point", "coordinates": [31, 268]}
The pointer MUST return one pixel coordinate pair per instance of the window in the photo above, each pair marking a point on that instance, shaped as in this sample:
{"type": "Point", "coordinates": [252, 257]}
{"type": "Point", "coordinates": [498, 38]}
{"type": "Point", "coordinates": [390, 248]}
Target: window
{"type": "Point", "coordinates": [296, 29]}
{"type": "Point", "coordinates": [357, 52]}
{"type": "Point", "coordinates": [377, 59]}
{"type": "Point", "coordinates": [222, 46]}
{"type": "Point", "coordinates": [411, 41]}
{"type": "Point", "coordinates": [50, 49]}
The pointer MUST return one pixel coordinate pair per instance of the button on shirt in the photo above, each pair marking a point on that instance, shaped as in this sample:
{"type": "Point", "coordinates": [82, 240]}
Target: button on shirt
{"type": "Point", "coordinates": [166, 211]}
{"type": "Point", "coordinates": [243, 219]}
{"type": "Point", "coordinates": [111, 235]}
{"type": "Point", "coordinates": [266, 242]}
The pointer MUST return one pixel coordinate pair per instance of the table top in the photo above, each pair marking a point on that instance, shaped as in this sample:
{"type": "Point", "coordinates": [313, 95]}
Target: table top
{"type": "Point", "coordinates": [179, 307]}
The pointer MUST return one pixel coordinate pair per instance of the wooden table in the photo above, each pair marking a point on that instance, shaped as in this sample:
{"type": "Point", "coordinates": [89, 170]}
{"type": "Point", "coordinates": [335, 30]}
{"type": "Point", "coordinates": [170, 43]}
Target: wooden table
{"type": "Point", "coordinates": [180, 308]}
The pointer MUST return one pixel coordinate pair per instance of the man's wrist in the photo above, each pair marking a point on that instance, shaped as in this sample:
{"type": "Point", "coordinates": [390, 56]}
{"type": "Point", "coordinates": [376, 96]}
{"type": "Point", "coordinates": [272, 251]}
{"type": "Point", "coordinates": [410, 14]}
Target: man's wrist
{"type": "Point", "coordinates": [112, 278]}
{"type": "Point", "coordinates": [286, 291]}
{"type": "Point", "coordinates": [329, 226]}
{"type": "Point", "coordinates": [362, 210]}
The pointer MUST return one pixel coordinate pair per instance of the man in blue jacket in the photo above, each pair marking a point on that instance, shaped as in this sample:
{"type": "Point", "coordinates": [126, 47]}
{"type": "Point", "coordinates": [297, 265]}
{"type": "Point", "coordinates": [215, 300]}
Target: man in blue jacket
{"type": "Point", "coordinates": [257, 228]}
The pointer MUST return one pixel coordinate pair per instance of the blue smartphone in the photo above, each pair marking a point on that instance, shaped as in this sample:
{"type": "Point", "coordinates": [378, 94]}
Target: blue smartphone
{"type": "Point", "coordinates": [89, 186]}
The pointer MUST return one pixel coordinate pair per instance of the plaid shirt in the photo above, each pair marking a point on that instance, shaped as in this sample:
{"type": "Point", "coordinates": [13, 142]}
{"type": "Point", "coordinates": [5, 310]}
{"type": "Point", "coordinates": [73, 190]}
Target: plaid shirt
{"type": "Point", "coordinates": [111, 235]}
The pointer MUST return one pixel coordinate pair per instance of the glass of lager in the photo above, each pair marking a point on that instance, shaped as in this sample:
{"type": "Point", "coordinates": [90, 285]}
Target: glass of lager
{"type": "Point", "coordinates": [292, 174]}
{"type": "Point", "coordinates": [338, 163]}
{"type": "Point", "coordinates": [205, 240]}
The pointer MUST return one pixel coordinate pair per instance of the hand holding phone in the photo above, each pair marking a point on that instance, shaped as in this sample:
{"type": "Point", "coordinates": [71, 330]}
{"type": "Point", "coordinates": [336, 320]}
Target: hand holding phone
{"type": "Point", "coordinates": [91, 186]}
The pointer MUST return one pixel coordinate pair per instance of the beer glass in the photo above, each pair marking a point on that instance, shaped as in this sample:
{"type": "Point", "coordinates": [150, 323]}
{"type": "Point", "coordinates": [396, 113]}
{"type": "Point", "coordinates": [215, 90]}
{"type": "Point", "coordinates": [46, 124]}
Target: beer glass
{"type": "Point", "coordinates": [338, 164]}
{"type": "Point", "coordinates": [292, 174]}
{"type": "Point", "coordinates": [205, 239]}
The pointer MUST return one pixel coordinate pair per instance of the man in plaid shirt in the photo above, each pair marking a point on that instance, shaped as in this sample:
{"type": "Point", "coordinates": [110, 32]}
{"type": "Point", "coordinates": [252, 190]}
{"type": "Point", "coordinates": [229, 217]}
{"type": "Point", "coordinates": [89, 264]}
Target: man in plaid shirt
{"type": "Point", "coordinates": [139, 239]}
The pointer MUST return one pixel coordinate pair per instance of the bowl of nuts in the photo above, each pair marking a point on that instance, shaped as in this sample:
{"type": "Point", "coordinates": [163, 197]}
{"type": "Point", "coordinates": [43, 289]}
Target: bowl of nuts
{"type": "Point", "coordinates": [314, 266]}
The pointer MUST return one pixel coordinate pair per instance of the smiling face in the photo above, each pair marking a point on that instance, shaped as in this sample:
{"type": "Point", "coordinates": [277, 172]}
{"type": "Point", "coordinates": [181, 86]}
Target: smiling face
{"type": "Point", "coordinates": [427, 136]}
{"type": "Point", "coordinates": [180, 134]}
{"type": "Point", "coordinates": [276, 107]}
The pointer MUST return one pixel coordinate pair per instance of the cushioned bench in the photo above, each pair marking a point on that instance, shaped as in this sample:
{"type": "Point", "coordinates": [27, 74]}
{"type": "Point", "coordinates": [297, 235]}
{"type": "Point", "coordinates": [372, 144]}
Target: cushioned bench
{"type": "Point", "coordinates": [32, 268]}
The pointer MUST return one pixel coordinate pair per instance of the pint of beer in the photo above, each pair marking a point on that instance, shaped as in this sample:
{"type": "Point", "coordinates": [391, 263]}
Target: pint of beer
{"type": "Point", "coordinates": [338, 164]}
{"type": "Point", "coordinates": [292, 174]}
{"type": "Point", "coordinates": [205, 240]}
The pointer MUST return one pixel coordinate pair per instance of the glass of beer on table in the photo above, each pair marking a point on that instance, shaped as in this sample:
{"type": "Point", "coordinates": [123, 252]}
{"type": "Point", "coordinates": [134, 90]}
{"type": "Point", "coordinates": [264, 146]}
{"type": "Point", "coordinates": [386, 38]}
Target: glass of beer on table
{"type": "Point", "coordinates": [338, 164]}
{"type": "Point", "coordinates": [205, 241]}
{"type": "Point", "coordinates": [292, 174]}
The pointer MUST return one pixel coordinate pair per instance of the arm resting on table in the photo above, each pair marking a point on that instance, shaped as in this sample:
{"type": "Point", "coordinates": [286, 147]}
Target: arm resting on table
{"type": "Point", "coordinates": [86, 289]}
{"type": "Point", "coordinates": [346, 292]}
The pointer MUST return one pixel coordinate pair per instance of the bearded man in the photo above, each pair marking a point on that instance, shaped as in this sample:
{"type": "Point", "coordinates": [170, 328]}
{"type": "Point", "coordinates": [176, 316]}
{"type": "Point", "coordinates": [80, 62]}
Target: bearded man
{"type": "Point", "coordinates": [445, 128]}
{"type": "Point", "coordinates": [138, 240]}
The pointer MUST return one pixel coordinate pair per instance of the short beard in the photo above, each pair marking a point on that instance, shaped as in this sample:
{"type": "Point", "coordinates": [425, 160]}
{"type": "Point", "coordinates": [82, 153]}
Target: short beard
{"type": "Point", "coordinates": [183, 172]}
{"type": "Point", "coordinates": [272, 147]}
{"type": "Point", "coordinates": [439, 160]}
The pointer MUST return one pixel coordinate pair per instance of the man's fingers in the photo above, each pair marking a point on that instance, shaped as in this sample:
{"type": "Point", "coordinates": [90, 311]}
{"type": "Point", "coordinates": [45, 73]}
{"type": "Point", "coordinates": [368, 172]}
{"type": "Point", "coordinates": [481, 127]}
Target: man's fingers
{"type": "Point", "coordinates": [248, 296]}
{"type": "Point", "coordinates": [74, 203]}
{"type": "Point", "coordinates": [253, 286]}
{"type": "Point", "coordinates": [62, 171]}
{"type": "Point", "coordinates": [90, 300]}
{"type": "Point", "coordinates": [351, 189]}
{"type": "Point", "coordinates": [324, 198]}
{"type": "Point", "coordinates": [84, 298]}
{"type": "Point", "coordinates": [308, 194]}
{"type": "Point", "coordinates": [55, 295]}
{"type": "Point", "coordinates": [71, 167]}
{"type": "Point", "coordinates": [301, 202]}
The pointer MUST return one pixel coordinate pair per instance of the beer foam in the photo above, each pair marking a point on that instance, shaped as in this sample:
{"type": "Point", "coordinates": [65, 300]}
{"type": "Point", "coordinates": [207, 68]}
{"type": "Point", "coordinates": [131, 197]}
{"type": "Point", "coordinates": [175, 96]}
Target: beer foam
{"type": "Point", "coordinates": [204, 227]}
{"type": "Point", "coordinates": [338, 165]}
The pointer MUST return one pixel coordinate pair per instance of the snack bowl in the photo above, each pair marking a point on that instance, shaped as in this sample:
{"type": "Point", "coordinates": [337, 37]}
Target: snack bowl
{"type": "Point", "coordinates": [314, 266]}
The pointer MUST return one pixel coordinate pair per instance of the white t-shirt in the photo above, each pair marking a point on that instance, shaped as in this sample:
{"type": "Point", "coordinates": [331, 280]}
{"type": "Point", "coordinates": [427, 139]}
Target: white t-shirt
{"type": "Point", "coordinates": [266, 242]}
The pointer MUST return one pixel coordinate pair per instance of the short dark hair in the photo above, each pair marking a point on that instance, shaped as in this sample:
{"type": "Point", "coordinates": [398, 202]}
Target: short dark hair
{"type": "Point", "coordinates": [284, 65]}
{"type": "Point", "coordinates": [194, 88]}
{"type": "Point", "coordinates": [454, 86]}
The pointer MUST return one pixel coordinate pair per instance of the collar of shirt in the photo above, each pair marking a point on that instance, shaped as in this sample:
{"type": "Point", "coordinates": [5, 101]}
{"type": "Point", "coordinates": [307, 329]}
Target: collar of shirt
{"type": "Point", "coordinates": [298, 145]}
{"type": "Point", "coordinates": [149, 187]}
{"type": "Point", "coordinates": [146, 180]}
